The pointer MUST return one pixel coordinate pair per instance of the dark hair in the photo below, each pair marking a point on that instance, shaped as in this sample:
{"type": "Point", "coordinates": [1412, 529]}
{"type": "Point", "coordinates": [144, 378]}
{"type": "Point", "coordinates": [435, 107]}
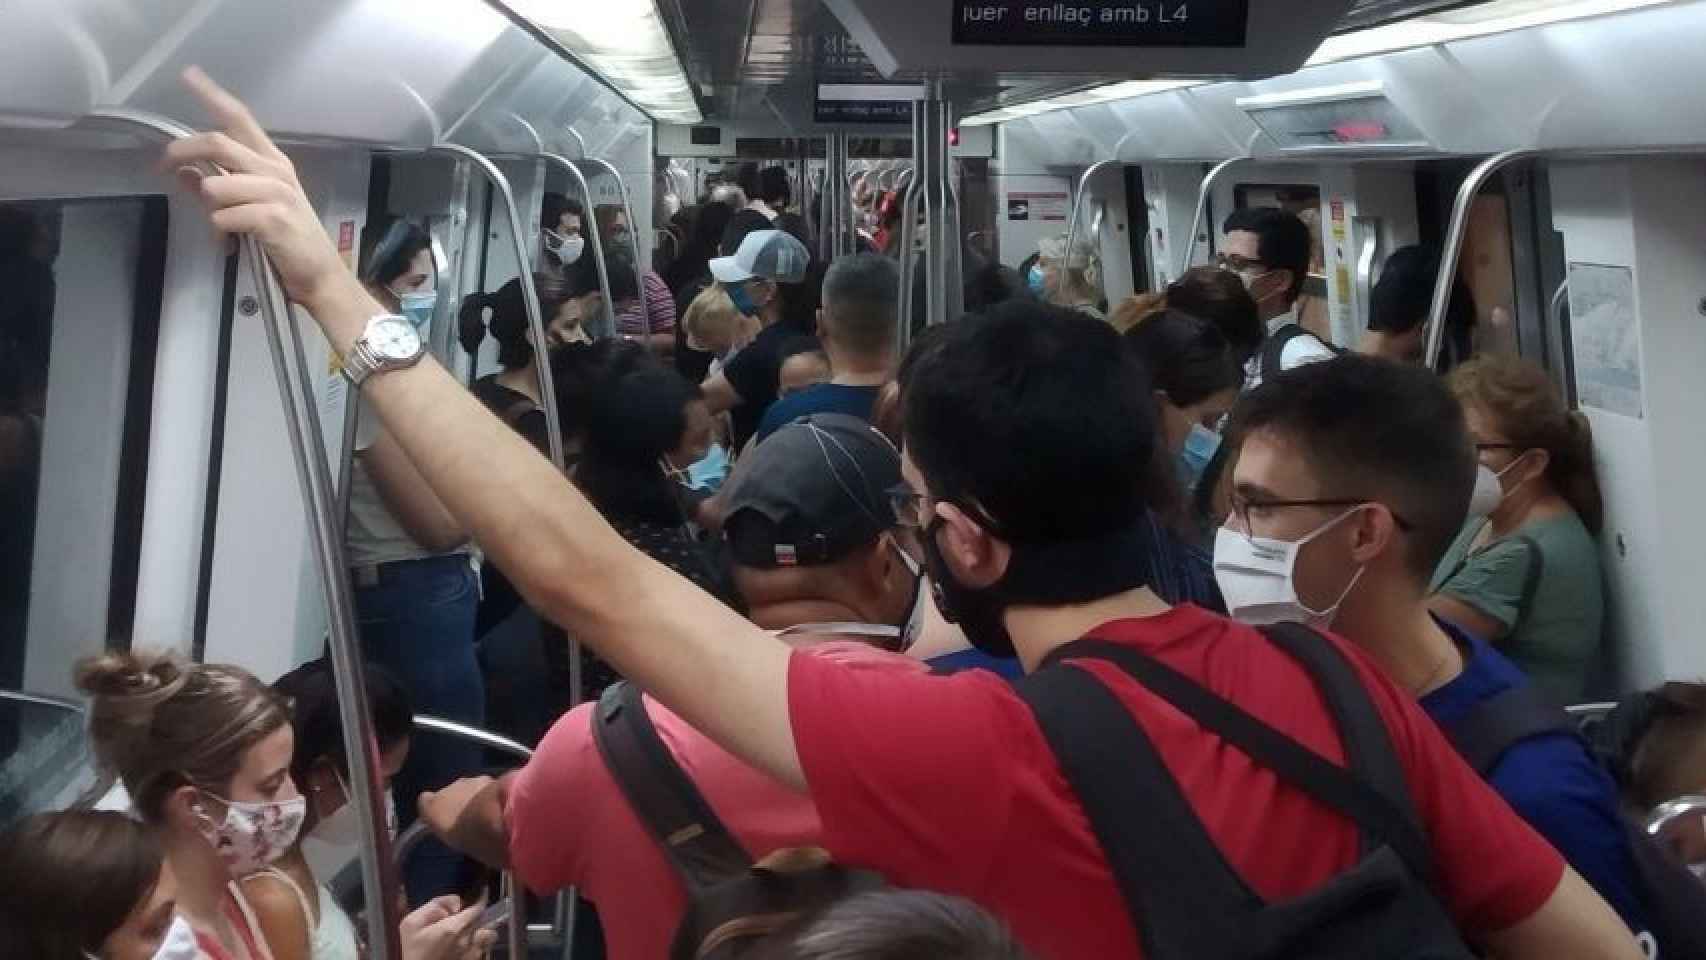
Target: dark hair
{"type": "Point", "coordinates": [1404, 295]}
{"type": "Point", "coordinates": [393, 250]}
{"type": "Point", "coordinates": [161, 723]}
{"type": "Point", "coordinates": [740, 224]}
{"type": "Point", "coordinates": [1657, 746]}
{"type": "Point", "coordinates": [800, 301]}
{"type": "Point", "coordinates": [746, 177]}
{"type": "Point", "coordinates": [1526, 407]}
{"type": "Point", "coordinates": [1387, 431]}
{"type": "Point", "coordinates": [624, 276]}
{"type": "Point", "coordinates": [1283, 241]}
{"type": "Point", "coordinates": [581, 372]}
{"type": "Point", "coordinates": [1186, 357]}
{"type": "Point", "coordinates": [1035, 416]}
{"type": "Point", "coordinates": [508, 324]}
{"type": "Point", "coordinates": [902, 925]}
{"type": "Point", "coordinates": [319, 728]}
{"type": "Point", "coordinates": [861, 295]}
{"type": "Point", "coordinates": [69, 880]}
{"type": "Point", "coordinates": [1220, 298]}
{"type": "Point", "coordinates": [556, 205]}
{"type": "Point", "coordinates": [638, 418]}
{"type": "Point", "coordinates": [709, 221]}
{"type": "Point", "coordinates": [773, 187]}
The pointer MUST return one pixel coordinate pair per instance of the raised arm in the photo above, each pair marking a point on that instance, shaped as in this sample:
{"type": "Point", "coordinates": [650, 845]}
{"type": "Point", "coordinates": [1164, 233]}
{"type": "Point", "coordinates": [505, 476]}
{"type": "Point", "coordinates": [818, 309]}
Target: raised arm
{"type": "Point", "coordinates": [721, 673]}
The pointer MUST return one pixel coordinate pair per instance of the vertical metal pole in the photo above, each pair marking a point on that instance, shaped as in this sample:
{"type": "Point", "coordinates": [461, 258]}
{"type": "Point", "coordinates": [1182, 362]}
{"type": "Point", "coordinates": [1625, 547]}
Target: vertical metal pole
{"type": "Point", "coordinates": [627, 207]}
{"type": "Point", "coordinates": [1454, 245]}
{"type": "Point", "coordinates": [529, 294]}
{"type": "Point", "coordinates": [608, 328]}
{"type": "Point", "coordinates": [308, 448]}
{"type": "Point", "coordinates": [932, 120]}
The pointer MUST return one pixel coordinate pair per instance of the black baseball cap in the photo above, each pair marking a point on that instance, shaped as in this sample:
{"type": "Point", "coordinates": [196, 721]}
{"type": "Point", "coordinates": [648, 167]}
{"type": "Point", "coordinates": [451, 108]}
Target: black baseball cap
{"type": "Point", "coordinates": [813, 492]}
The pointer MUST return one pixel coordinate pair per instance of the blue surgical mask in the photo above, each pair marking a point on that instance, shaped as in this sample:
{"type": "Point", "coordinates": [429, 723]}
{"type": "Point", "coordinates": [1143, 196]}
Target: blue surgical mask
{"type": "Point", "coordinates": [708, 472]}
{"type": "Point", "coordinates": [1201, 444]}
{"type": "Point", "coordinates": [742, 300]}
{"type": "Point", "coordinates": [1034, 280]}
{"type": "Point", "coordinates": [418, 307]}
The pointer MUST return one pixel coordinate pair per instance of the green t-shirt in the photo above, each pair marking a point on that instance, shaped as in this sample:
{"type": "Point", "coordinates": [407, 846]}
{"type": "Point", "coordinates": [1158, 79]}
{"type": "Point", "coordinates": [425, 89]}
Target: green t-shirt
{"type": "Point", "coordinates": [1553, 564]}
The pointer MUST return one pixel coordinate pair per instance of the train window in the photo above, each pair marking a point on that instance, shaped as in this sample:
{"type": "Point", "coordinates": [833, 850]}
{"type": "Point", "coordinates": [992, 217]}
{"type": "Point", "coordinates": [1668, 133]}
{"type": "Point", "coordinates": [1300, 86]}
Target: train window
{"type": "Point", "coordinates": [1304, 200]}
{"type": "Point", "coordinates": [80, 288]}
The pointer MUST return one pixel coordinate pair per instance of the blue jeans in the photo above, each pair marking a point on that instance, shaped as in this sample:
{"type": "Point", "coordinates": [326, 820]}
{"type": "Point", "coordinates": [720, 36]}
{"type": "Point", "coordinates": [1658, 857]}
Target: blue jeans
{"type": "Point", "coordinates": [417, 622]}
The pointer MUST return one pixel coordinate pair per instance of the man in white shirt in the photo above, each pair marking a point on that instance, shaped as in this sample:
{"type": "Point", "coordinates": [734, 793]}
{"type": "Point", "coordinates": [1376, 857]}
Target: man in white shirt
{"type": "Point", "coordinates": [1269, 249]}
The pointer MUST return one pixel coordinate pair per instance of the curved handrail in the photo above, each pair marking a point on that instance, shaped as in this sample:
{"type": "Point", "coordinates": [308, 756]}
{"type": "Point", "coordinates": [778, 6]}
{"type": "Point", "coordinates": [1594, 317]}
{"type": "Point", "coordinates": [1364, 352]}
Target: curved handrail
{"type": "Point", "coordinates": [1670, 810]}
{"type": "Point", "coordinates": [1203, 194]}
{"type": "Point", "coordinates": [309, 450]}
{"type": "Point", "coordinates": [1078, 201]}
{"type": "Point", "coordinates": [1454, 237]}
{"type": "Point", "coordinates": [529, 293]}
{"type": "Point", "coordinates": [628, 214]}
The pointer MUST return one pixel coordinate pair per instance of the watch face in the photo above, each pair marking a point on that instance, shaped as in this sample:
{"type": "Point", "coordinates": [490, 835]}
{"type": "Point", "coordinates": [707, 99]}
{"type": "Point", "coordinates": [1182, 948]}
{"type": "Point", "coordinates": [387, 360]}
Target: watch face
{"type": "Point", "coordinates": [393, 339]}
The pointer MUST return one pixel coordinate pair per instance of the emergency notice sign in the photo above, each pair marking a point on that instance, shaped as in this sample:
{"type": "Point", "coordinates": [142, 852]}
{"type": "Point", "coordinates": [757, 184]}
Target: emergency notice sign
{"type": "Point", "coordinates": [1101, 23]}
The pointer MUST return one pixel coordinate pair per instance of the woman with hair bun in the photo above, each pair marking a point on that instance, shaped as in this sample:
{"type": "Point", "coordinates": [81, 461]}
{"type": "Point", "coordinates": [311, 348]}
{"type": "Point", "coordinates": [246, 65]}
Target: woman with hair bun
{"type": "Point", "coordinates": [204, 752]}
{"type": "Point", "coordinates": [1527, 577]}
{"type": "Point", "coordinates": [513, 392]}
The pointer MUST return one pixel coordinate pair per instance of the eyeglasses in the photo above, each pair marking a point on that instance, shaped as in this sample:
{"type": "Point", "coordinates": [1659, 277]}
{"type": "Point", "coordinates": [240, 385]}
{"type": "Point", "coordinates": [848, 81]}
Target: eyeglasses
{"type": "Point", "coordinates": [1234, 263]}
{"type": "Point", "coordinates": [908, 506]}
{"type": "Point", "coordinates": [1246, 508]}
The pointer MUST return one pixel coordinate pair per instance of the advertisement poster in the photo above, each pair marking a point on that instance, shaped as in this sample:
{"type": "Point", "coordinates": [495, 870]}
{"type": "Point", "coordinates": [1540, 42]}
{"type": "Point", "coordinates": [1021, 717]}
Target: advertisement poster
{"type": "Point", "coordinates": [1606, 338]}
{"type": "Point", "coordinates": [1038, 206]}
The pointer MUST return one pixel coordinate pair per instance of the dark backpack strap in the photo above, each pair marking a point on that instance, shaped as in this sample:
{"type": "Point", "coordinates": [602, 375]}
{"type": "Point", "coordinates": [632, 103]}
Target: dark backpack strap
{"type": "Point", "coordinates": [1329, 783]}
{"type": "Point", "coordinates": [513, 413]}
{"type": "Point", "coordinates": [1493, 726]}
{"type": "Point", "coordinates": [661, 794]}
{"type": "Point", "coordinates": [1169, 871]}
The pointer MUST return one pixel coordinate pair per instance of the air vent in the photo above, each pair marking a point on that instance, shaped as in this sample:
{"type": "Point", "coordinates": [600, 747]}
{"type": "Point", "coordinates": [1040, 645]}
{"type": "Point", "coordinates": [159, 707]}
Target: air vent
{"type": "Point", "coordinates": [1353, 116]}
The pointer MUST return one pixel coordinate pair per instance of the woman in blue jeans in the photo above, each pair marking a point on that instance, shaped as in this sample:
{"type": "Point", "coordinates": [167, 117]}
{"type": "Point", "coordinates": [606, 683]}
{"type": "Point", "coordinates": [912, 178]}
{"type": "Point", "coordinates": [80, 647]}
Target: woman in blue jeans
{"type": "Point", "coordinates": [414, 584]}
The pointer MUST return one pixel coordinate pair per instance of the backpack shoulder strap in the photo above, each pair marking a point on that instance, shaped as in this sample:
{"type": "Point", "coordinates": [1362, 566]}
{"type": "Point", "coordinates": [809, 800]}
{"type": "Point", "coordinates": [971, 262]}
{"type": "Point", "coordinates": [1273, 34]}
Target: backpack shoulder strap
{"type": "Point", "coordinates": [1498, 723]}
{"type": "Point", "coordinates": [692, 838]}
{"type": "Point", "coordinates": [1273, 348]}
{"type": "Point", "coordinates": [1327, 782]}
{"type": "Point", "coordinates": [513, 413]}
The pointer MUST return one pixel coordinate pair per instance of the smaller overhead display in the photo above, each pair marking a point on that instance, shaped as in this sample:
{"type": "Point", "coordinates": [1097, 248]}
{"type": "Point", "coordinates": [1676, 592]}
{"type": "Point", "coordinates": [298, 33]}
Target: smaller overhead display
{"type": "Point", "coordinates": [1101, 23]}
{"type": "Point", "coordinates": [865, 103]}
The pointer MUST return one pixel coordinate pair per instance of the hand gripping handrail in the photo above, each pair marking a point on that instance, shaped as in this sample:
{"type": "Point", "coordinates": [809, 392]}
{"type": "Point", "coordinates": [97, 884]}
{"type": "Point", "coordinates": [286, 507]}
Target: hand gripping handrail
{"type": "Point", "coordinates": [309, 449]}
{"type": "Point", "coordinates": [1454, 236]}
{"type": "Point", "coordinates": [529, 293]}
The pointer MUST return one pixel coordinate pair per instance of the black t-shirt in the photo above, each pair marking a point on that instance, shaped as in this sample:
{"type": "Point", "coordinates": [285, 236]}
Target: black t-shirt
{"type": "Point", "coordinates": [755, 373]}
{"type": "Point", "coordinates": [516, 409]}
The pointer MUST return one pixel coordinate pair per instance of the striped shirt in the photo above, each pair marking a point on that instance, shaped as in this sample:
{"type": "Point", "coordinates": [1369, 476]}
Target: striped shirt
{"type": "Point", "coordinates": [652, 312]}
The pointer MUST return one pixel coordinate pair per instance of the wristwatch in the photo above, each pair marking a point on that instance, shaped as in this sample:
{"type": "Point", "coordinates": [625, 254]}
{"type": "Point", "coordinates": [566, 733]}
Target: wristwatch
{"type": "Point", "coordinates": [390, 342]}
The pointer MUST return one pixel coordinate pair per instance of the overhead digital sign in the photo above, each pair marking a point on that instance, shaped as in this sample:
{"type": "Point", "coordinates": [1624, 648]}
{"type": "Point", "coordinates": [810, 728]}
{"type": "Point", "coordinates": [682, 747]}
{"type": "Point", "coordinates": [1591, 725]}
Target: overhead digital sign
{"type": "Point", "coordinates": [839, 103]}
{"type": "Point", "coordinates": [1101, 23]}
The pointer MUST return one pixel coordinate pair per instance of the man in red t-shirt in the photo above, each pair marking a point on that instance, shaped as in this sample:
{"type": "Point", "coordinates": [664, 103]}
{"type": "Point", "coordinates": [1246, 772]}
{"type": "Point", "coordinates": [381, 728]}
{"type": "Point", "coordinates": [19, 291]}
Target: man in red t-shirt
{"type": "Point", "coordinates": [811, 528]}
{"type": "Point", "coordinates": [1030, 433]}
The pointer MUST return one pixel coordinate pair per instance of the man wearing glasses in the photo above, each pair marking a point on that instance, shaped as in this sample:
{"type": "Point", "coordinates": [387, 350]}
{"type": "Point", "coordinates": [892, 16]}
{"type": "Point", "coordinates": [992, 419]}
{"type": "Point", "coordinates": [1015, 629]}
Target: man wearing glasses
{"type": "Point", "coordinates": [1269, 250]}
{"type": "Point", "coordinates": [1353, 479]}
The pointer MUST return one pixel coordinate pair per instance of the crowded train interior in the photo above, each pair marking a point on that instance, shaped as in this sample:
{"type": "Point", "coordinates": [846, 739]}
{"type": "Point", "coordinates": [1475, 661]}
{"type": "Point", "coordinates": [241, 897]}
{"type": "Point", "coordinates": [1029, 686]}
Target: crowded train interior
{"type": "Point", "coordinates": [852, 479]}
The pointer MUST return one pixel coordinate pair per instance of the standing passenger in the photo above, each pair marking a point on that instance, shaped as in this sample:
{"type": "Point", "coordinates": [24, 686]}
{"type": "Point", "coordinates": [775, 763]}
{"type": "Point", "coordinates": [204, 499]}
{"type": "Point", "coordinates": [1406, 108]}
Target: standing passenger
{"type": "Point", "coordinates": [858, 326]}
{"type": "Point", "coordinates": [415, 591]}
{"type": "Point", "coordinates": [1398, 312]}
{"type": "Point", "coordinates": [1269, 250]}
{"type": "Point", "coordinates": [647, 314]}
{"type": "Point", "coordinates": [1366, 467]}
{"type": "Point", "coordinates": [754, 277]}
{"type": "Point", "coordinates": [1069, 278]}
{"type": "Point", "coordinates": [1527, 577]}
{"type": "Point", "coordinates": [1030, 475]}
{"type": "Point", "coordinates": [513, 392]}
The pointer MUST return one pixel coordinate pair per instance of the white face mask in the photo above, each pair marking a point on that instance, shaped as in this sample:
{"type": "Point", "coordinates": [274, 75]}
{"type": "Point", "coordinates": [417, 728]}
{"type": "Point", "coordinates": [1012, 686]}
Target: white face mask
{"type": "Point", "coordinates": [253, 834]}
{"type": "Point", "coordinates": [905, 634]}
{"type": "Point", "coordinates": [1487, 493]}
{"type": "Point", "coordinates": [1257, 578]}
{"type": "Point", "coordinates": [567, 249]}
{"type": "Point", "coordinates": [179, 943]}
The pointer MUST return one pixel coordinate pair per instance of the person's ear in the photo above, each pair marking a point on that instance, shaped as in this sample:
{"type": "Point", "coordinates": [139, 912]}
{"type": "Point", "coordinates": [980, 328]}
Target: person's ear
{"type": "Point", "coordinates": [186, 806]}
{"type": "Point", "coordinates": [1283, 279]}
{"type": "Point", "coordinates": [322, 786]}
{"type": "Point", "coordinates": [1373, 532]}
{"type": "Point", "coordinates": [975, 557]}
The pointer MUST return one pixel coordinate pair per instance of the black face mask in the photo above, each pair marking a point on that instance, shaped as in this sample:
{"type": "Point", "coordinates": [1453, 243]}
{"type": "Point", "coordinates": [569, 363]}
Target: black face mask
{"type": "Point", "coordinates": [1039, 574]}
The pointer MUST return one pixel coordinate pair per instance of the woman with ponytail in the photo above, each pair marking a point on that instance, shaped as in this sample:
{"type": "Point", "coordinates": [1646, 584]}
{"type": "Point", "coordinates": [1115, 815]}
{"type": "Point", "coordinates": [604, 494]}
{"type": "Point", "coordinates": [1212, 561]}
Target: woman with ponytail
{"type": "Point", "coordinates": [1527, 576]}
{"type": "Point", "coordinates": [513, 392]}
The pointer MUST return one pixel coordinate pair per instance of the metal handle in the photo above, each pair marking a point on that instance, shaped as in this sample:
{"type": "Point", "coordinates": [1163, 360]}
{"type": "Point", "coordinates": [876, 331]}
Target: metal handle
{"type": "Point", "coordinates": [1203, 193]}
{"type": "Point", "coordinates": [627, 211]}
{"type": "Point", "coordinates": [1664, 813]}
{"type": "Point", "coordinates": [1368, 237]}
{"type": "Point", "coordinates": [909, 213]}
{"type": "Point", "coordinates": [1454, 245]}
{"type": "Point", "coordinates": [529, 294]}
{"type": "Point", "coordinates": [1078, 201]}
{"type": "Point", "coordinates": [303, 426]}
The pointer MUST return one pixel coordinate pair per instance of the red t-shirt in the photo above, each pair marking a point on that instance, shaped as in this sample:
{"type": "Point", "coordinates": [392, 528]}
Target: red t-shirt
{"type": "Point", "coordinates": [946, 783]}
{"type": "Point", "coordinates": [569, 824]}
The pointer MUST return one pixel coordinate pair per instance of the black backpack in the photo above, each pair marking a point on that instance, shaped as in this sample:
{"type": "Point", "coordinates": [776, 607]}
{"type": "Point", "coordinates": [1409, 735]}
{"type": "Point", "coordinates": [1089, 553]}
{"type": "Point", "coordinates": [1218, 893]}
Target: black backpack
{"type": "Point", "coordinates": [1186, 902]}
{"type": "Point", "coordinates": [1674, 899]}
{"type": "Point", "coordinates": [735, 906]}
{"type": "Point", "coordinates": [1273, 348]}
